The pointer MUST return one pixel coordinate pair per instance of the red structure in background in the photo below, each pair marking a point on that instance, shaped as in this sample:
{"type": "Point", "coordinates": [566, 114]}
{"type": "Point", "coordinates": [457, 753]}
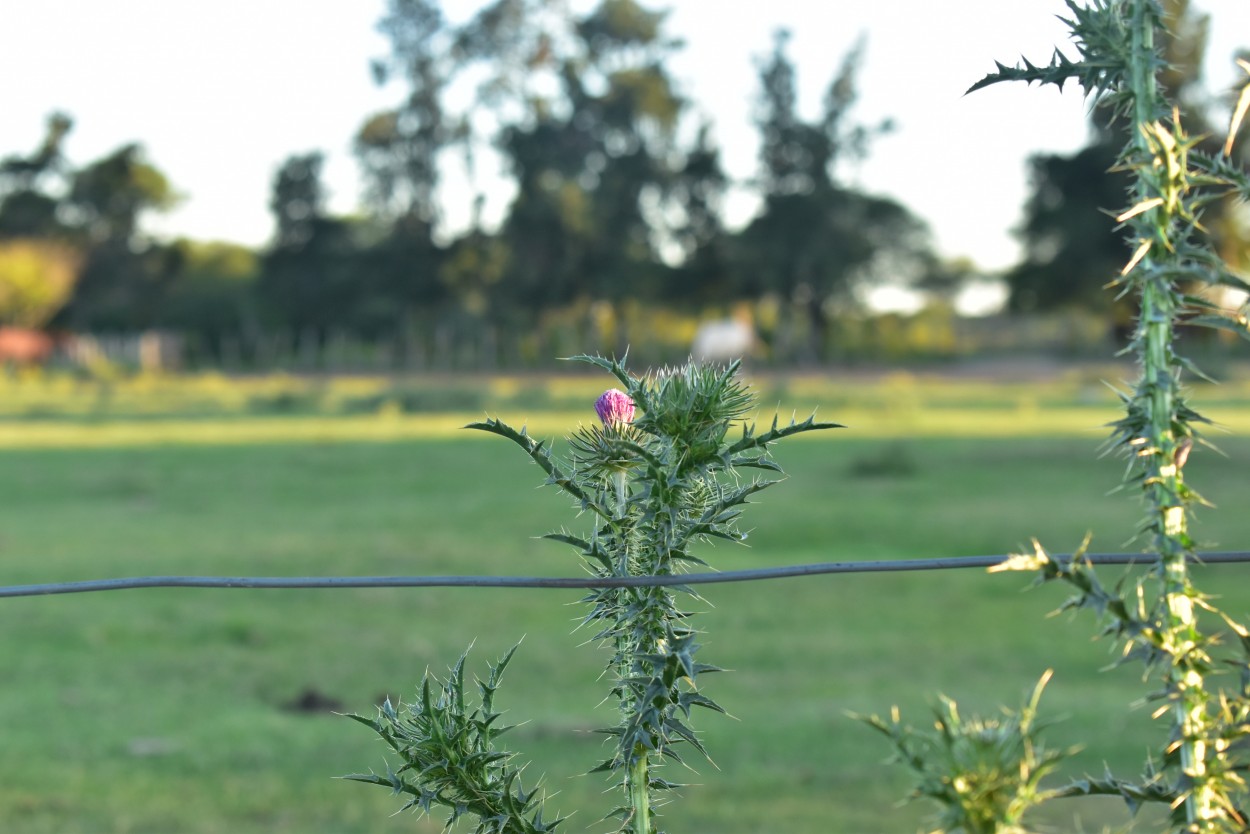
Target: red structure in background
{"type": "Point", "coordinates": [22, 346]}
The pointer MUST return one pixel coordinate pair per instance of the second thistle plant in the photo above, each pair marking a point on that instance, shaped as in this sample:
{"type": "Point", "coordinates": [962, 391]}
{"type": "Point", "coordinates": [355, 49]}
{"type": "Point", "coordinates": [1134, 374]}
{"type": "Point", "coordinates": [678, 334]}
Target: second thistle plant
{"type": "Point", "coordinates": [1171, 265]}
{"type": "Point", "coordinates": [659, 474]}
{"type": "Point", "coordinates": [1170, 273]}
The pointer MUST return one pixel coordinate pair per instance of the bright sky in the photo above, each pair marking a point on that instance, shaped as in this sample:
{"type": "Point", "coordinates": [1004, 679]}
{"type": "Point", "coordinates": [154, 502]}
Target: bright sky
{"type": "Point", "coordinates": [220, 93]}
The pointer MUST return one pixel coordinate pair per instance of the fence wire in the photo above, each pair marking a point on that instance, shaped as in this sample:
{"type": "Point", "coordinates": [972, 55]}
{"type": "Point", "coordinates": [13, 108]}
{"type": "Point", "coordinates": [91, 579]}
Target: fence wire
{"type": "Point", "coordinates": [753, 575]}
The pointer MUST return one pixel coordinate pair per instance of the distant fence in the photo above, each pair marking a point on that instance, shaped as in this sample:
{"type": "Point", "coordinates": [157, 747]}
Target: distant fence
{"type": "Point", "coordinates": [152, 350]}
{"type": "Point", "coordinates": [456, 343]}
{"type": "Point", "coordinates": [444, 346]}
{"type": "Point", "coordinates": [753, 575]}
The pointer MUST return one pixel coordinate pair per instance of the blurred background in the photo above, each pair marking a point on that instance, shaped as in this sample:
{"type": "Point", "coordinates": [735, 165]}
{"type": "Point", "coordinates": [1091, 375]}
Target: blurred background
{"type": "Point", "coordinates": [416, 185]}
{"type": "Point", "coordinates": [260, 261]}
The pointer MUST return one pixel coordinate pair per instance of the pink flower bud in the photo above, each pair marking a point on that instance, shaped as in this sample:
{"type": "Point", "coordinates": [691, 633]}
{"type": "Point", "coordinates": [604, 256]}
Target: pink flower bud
{"type": "Point", "coordinates": [614, 407]}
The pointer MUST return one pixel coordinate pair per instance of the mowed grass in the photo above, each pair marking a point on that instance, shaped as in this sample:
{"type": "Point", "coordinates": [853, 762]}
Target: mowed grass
{"type": "Point", "coordinates": [170, 710]}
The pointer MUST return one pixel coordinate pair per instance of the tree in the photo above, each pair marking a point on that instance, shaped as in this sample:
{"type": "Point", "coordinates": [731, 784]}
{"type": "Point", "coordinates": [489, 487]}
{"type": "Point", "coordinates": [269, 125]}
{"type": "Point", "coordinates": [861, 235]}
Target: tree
{"type": "Point", "coordinates": [82, 231]}
{"type": "Point", "coordinates": [28, 208]}
{"type": "Point", "coordinates": [513, 49]}
{"type": "Point", "coordinates": [633, 124]}
{"type": "Point", "coordinates": [817, 242]}
{"type": "Point", "coordinates": [472, 269]}
{"type": "Point", "coordinates": [698, 190]}
{"type": "Point", "coordinates": [36, 280]}
{"type": "Point", "coordinates": [399, 149]}
{"type": "Point", "coordinates": [1071, 247]}
{"type": "Point", "coordinates": [309, 279]}
{"type": "Point", "coordinates": [214, 296]}
{"type": "Point", "coordinates": [589, 163]}
{"type": "Point", "coordinates": [585, 114]}
{"type": "Point", "coordinates": [405, 279]}
{"type": "Point", "coordinates": [547, 229]}
{"type": "Point", "coordinates": [125, 274]}
{"type": "Point", "coordinates": [108, 197]}
{"type": "Point", "coordinates": [297, 199]}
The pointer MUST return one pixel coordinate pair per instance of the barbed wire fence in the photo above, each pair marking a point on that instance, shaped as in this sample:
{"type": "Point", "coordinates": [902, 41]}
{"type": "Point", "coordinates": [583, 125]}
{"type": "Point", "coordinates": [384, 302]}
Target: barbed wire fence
{"type": "Point", "coordinates": [751, 575]}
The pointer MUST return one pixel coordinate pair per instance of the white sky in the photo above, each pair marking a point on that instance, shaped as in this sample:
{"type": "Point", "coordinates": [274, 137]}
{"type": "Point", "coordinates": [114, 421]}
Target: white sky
{"type": "Point", "coordinates": [221, 92]}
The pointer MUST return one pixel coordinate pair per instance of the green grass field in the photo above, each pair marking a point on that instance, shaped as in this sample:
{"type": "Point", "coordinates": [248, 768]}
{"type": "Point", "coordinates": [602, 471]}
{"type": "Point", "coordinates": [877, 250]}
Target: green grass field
{"type": "Point", "coordinates": [171, 710]}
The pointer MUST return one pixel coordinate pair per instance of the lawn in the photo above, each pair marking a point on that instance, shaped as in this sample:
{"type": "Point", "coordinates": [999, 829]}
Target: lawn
{"type": "Point", "coordinates": [180, 710]}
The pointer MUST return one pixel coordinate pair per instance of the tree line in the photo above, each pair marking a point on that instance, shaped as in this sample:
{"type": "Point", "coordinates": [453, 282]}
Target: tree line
{"type": "Point", "coordinates": [618, 198]}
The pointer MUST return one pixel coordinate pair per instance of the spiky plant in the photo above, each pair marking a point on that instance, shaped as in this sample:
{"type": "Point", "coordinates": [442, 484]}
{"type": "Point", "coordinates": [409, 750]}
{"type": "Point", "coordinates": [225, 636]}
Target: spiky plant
{"type": "Point", "coordinates": [1171, 264]}
{"type": "Point", "coordinates": [659, 474]}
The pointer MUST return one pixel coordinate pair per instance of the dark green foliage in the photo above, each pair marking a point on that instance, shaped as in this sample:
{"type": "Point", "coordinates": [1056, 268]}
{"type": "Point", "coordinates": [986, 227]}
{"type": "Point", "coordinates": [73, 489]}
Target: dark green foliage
{"type": "Point", "coordinates": [699, 187]}
{"type": "Point", "coordinates": [28, 186]}
{"type": "Point", "coordinates": [113, 192]}
{"type": "Point", "coordinates": [214, 295]}
{"type": "Point", "coordinates": [586, 164]}
{"type": "Point", "coordinates": [125, 276]}
{"type": "Point", "coordinates": [615, 204]}
{"type": "Point", "coordinates": [399, 149]}
{"type": "Point", "coordinates": [312, 276]}
{"type": "Point", "coordinates": [27, 208]}
{"type": "Point", "coordinates": [816, 240]}
{"type": "Point", "coordinates": [1072, 247]}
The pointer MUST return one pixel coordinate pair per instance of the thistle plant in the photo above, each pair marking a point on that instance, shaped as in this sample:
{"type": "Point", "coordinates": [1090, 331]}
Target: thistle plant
{"type": "Point", "coordinates": [1171, 265]}
{"type": "Point", "coordinates": [659, 474]}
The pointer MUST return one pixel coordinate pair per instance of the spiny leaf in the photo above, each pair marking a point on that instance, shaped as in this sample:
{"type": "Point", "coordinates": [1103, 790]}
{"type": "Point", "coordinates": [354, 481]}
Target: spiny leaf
{"type": "Point", "coordinates": [753, 441]}
{"type": "Point", "coordinates": [566, 538]}
{"type": "Point", "coordinates": [534, 448]}
{"type": "Point", "coordinates": [612, 366]}
{"type": "Point", "coordinates": [1220, 171]}
{"type": "Point", "coordinates": [1061, 69]}
{"type": "Point", "coordinates": [1232, 323]}
{"type": "Point", "coordinates": [539, 454]}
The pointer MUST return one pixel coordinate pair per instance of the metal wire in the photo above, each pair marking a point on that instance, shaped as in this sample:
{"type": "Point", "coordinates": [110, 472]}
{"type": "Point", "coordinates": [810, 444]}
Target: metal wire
{"type": "Point", "coordinates": [326, 582]}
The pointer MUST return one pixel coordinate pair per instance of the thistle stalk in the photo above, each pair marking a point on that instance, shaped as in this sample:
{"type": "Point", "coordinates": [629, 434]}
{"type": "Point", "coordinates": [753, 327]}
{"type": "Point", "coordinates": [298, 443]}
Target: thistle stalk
{"type": "Point", "coordinates": [637, 776]}
{"type": "Point", "coordinates": [638, 781]}
{"type": "Point", "coordinates": [616, 409]}
{"type": "Point", "coordinates": [1159, 388]}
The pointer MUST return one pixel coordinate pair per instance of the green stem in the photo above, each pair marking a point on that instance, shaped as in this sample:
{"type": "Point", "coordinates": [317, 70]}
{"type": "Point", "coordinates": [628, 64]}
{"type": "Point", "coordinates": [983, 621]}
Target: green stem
{"type": "Point", "coordinates": [1171, 533]}
{"type": "Point", "coordinates": [637, 774]}
{"type": "Point", "coordinates": [638, 783]}
{"type": "Point", "coordinates": [1163, 475]}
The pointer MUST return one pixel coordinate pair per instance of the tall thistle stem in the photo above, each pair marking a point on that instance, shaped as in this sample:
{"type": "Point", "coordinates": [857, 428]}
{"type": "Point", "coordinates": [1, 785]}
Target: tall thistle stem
{"type": "Point", "coordinates": [1159, 397]}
